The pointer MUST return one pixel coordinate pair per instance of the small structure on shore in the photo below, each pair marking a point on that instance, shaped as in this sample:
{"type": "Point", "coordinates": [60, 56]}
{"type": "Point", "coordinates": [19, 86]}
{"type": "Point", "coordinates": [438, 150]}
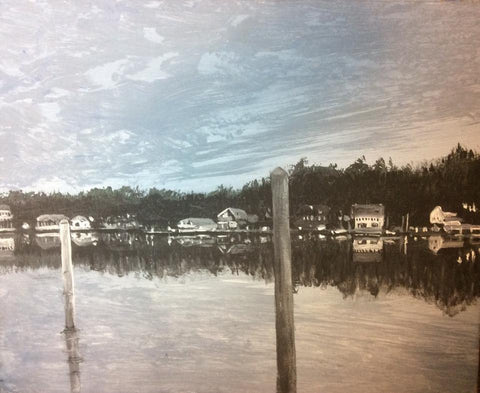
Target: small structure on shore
{"type": "Point", "coordinates": [451, 223]}
{"type": "Point", "coordinates": [368, 218]}
{"type": "Point", "coordinates": [311, 217]}
{"type": "Point", "coordinates": [80, 223]}
{"type": "Point", "coordinates": [193, 224]}
{"type": "Point", "coordinates": [440, 217]}
{"type": "Point", "coordinates": [6, 219]}
{"type": "Point", "coordinates": [49, 222]}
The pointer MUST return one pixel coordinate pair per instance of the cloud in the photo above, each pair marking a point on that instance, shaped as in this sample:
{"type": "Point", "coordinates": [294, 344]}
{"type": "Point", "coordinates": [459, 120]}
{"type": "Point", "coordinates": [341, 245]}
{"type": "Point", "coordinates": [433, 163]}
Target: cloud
{"type": "Point", "coordinates": [239, 19]}
{"type": "Point", "coordinates": [150, 33]}
{"type": "Point", "coordinates": [108, 75]}
{"type": "Point", "coordinates": [50, 111]}
{"type": "Point", "coordinates": [219, 62]}
{"type": "Point", "coordinates": [153, 71]}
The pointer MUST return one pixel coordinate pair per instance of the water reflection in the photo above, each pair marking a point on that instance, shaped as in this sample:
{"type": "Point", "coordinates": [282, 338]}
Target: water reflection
{"type": "Point", "coordinates": [442, 271]}
{"type": "Point", "coordinates": [74, 359]}
{"type": "Point", "coordinates": [142, 302]}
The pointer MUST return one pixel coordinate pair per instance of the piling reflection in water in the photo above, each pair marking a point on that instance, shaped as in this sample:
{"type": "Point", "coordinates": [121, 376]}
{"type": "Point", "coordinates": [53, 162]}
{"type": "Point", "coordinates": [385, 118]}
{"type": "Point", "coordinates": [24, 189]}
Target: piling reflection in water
{"type": "Point", "coordinates": [74, 358]}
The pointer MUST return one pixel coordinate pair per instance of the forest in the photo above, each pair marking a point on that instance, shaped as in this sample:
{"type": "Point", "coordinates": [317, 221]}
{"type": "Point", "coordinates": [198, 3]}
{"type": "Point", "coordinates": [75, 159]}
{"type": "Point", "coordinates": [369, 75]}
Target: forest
{"type": "Point", "coordinates": [415, 189]}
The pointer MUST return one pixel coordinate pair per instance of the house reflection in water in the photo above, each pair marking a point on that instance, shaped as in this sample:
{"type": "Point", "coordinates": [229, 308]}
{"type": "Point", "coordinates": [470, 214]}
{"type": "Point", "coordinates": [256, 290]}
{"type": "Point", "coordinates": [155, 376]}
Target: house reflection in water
{"type": "Point", "coordinates": [7, 247]}
{"type": "Point", "coordinates": [367, 249]}
{"type": "Point", "coordinates": [84, 239]}
{"type": "Point", "coordinates": [47, 241]}
{"type": "Point", "coordinates": [437, 242]}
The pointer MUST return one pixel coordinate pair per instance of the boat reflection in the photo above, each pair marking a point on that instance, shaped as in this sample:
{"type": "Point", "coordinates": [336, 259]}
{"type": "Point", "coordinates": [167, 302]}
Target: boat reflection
{"type": "Point", "coordinates": [47, 241]}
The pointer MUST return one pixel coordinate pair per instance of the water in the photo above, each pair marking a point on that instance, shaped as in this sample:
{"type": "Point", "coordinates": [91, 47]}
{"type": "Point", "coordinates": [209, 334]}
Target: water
{"type": "Point", "coordinates": [158, 314]}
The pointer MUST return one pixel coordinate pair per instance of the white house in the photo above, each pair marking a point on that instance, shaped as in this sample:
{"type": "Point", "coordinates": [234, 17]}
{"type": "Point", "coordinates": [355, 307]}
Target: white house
{"type": "Point", "coordinates": [232, 218]}
{"type": "Point", "coordinates": [439, 217]}
{"type": "Point", "coordinates": [451, 223]}
{"type": "Point", "coordinates": [80, 223]}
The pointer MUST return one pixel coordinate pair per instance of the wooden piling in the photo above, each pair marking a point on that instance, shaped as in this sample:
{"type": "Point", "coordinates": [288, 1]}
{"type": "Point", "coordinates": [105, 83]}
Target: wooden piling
{"type": "Point", "coordinates": [406, 222]}
{"type": "Point", "coordinates": [67, 272]}
{"type": "Point", "coordinates": [285, 328]}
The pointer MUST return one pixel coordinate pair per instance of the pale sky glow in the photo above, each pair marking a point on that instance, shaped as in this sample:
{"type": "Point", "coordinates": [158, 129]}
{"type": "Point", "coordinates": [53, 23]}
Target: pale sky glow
{"type": "Point", "coordinates": [192, 94]}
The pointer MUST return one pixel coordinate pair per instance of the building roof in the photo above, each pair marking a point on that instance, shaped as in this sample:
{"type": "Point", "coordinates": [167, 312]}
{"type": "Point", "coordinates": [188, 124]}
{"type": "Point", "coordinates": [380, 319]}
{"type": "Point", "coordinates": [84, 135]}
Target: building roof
{"type": "Point", "coordinates": [199, 221]}
{"type": "Point", "coordinates": [4, 207]}
{"type": "Point", "coordinates": [52, 217]}
{"type": "Point", "coordinates": [80, 218]}
{"type": "Point", "coordinates": [375, 210]}
{"type": "Point", "coordinates": [239, 214]}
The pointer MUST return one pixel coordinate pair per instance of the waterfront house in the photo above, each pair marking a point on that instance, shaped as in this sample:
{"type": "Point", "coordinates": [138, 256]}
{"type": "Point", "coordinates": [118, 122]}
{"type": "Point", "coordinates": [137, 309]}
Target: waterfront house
{"type": "Point", "coordinates": [192, 224]}
{"type": "Point", "coordinates": [368, 218]}
{"type": "Point", "coordinates": [80, 223]}
{"type": "Point", "coordinates": [443, 218]}
{"type": "Point", "coordinates": [367, 249]}
{"type": "Point", "coordinates": [311, 217]}
{"type": "Point", "coordinates": [232, 218]}
{"type": "Point", "coordinates": [6, 219]}
{"type": "Point", "coordinates": [451, 223]}
{"type": "Point", "coordinates": [49, 222]}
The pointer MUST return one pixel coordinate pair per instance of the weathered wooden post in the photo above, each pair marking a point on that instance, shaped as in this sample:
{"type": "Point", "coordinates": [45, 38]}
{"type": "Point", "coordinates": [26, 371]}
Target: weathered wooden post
{"type": "Point", "coordinates": [285, 328]}
{"type": "Point", "coordinates": [67, 271]}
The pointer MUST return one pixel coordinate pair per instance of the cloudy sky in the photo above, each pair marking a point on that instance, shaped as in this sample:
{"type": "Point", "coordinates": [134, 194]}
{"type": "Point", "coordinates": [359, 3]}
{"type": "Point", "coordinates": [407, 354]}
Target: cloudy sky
{"type": "Point", "coordinates": [193, 94]}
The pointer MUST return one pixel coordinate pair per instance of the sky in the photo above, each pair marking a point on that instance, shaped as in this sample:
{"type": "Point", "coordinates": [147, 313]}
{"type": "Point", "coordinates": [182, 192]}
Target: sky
{"type": "Point", "coordinates": [188, 95]}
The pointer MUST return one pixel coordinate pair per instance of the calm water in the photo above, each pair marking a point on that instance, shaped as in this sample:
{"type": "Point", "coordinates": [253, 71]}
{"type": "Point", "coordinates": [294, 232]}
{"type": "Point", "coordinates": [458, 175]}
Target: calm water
{"type": "Point", "coordinates": [159, 314]}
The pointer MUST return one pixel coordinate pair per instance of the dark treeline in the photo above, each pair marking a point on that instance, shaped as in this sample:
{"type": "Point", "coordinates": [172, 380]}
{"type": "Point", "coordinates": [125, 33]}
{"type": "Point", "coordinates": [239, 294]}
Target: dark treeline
{"type": "Point", "coordinates": [437, 279]}
{"type": "Point", "coordinates": [448, 181]}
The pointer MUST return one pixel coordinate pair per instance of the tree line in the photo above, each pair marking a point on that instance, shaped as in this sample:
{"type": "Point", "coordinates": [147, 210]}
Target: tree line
{"type": "Point", "coordinates": [449, 181]}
